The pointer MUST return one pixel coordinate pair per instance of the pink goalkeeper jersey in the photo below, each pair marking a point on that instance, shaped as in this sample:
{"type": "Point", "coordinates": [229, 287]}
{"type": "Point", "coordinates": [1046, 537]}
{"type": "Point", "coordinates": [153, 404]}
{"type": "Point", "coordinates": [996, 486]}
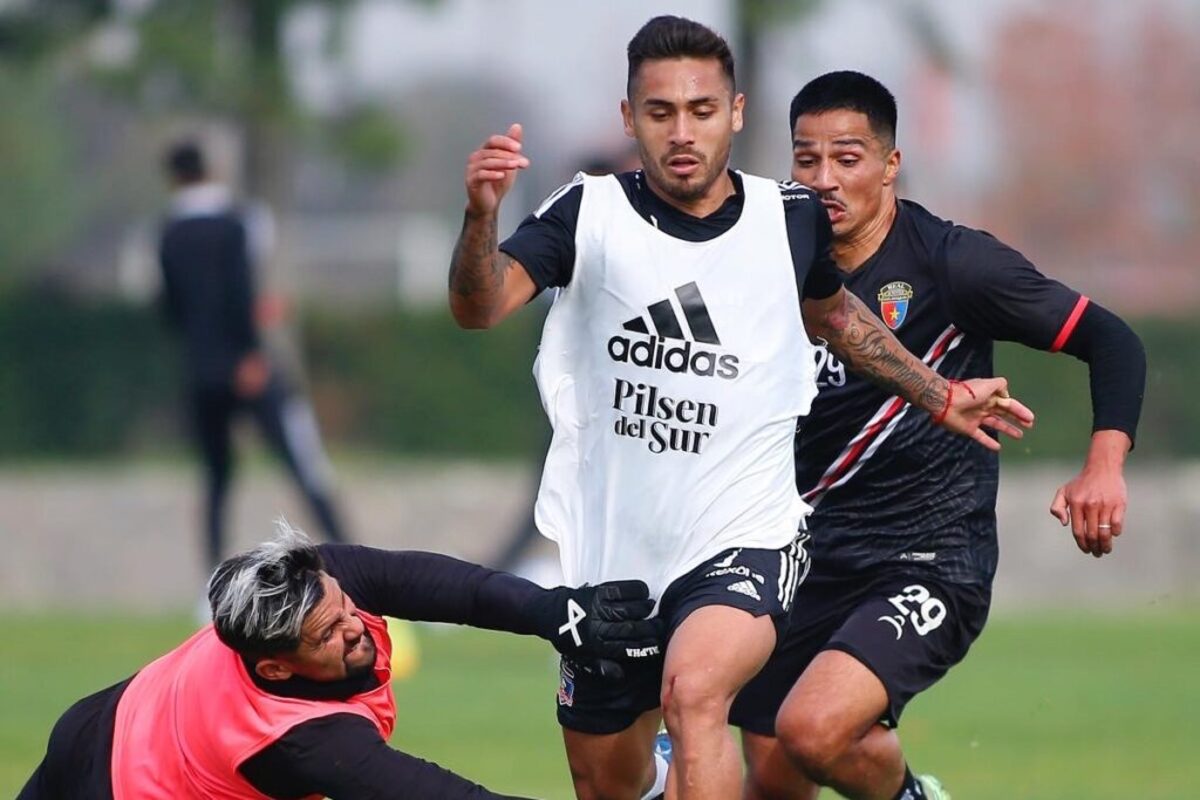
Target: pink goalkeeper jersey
{"type": "Point", "coordinates": [189, 719]}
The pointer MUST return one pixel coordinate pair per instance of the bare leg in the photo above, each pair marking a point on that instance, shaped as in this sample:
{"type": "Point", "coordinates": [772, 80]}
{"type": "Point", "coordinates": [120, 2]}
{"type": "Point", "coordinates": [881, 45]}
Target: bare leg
{"type": "Point", "coordinates": [770, 773]}
{"type": "Point", "coordinates": [615, 766]}
{"type": "Point", "coordinates": [829, 725]}
{"type": "Point", "coordinates": [712, 654]}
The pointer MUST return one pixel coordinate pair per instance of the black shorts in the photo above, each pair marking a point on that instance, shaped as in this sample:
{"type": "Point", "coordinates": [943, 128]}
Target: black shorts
{"type": "Point", "coordinates": [762, 582]}
{"type": "Point", "coordinates": [906, 627]}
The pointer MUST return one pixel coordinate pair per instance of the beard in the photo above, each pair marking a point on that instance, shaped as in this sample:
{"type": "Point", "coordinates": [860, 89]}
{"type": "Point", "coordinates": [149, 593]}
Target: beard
{"type": "Point", "coordinates": [686, 190]}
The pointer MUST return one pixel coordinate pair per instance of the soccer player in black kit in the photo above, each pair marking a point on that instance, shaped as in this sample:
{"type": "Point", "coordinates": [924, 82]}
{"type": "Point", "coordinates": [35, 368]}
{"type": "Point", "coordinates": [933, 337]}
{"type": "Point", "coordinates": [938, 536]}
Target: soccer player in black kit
{"type": "Point", "coordinates": [904, 529]}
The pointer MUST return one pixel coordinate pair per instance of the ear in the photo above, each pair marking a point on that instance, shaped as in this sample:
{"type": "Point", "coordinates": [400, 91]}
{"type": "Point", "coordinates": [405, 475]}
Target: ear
{"type": "Point", "coordinates": [891, 167]}
{"type": "Point", "coordinates": [739, 105]}
{"type": "Point", "coordinates": [273, 669]}
{"type": "Point", "coordinates": [627, 118]}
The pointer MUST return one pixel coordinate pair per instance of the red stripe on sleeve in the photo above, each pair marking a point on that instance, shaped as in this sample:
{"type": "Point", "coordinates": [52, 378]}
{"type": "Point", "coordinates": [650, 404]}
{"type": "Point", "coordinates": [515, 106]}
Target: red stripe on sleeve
{"type": "Point", "coordinates": [1069, 326]}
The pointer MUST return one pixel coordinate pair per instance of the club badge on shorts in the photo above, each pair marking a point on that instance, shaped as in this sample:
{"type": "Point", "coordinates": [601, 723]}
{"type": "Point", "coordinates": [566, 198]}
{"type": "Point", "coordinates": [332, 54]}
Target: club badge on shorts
{"type": "Point", "coordinates": [566, 685]}
{"type": "Point", "coordinates": [893, 303]}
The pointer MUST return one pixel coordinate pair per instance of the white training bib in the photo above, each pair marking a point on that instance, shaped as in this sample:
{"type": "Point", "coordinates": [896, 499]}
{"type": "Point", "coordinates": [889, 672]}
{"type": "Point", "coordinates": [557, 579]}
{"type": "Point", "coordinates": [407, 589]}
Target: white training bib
{"type": "Point", "coordinates": [672, 373]}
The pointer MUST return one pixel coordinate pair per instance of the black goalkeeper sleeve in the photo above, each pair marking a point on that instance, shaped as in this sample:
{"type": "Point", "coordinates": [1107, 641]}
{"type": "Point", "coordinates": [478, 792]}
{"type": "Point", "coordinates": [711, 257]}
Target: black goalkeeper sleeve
{"type": "Point", "coordinates": [343, 757]}
{"type": "Point", "coordinates": [434, 588]}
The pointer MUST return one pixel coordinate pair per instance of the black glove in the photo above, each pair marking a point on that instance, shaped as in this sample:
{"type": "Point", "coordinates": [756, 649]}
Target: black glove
{"type": "Point", "coordinates": [597, 626]}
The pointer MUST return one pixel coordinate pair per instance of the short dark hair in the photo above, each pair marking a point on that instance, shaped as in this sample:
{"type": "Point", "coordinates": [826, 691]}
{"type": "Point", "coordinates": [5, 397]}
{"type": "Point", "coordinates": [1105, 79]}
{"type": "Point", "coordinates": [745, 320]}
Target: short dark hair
{"type": "Point", "coordinates": [849, 91]}
{"type": "Point", "coordinates": [185, 162]}
{"type": "Point", "coordinates": [259, 599]}
{"type": "Point", "coordinates": [675, 37]}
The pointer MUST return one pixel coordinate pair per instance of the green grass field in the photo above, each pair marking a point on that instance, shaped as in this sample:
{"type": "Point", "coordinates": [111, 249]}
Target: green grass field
{"type": "Point", "coordinates": [1049, 707]}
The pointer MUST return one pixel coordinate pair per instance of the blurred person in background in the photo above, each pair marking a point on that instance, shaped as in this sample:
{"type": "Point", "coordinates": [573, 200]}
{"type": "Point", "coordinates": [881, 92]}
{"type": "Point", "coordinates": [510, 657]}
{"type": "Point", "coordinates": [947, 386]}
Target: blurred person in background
{"type": "Point", "coordinates": [904, 545]}
{"type": "Point", "coordinates": [210, 301]}
{"type": "Point", "coordinates": [288, 694]}
{"type": "Point", "coordinates": [673, 366]}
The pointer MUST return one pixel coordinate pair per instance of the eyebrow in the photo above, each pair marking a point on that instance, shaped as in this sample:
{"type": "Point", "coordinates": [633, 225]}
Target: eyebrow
{"type": "Point", "coordinates": [843, 141]}
{"type": "Point", "coordinates": [696, 101]}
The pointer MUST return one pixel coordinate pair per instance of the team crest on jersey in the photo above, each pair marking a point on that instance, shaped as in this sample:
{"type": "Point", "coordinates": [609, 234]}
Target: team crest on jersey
{"type": "Point", "coordinates": [893, 303]}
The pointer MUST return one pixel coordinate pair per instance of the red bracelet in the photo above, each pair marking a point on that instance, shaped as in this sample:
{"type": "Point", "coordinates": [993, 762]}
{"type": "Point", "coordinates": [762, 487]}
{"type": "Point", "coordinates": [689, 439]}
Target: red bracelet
{"type": "Point", "coordinates": [940, 417]}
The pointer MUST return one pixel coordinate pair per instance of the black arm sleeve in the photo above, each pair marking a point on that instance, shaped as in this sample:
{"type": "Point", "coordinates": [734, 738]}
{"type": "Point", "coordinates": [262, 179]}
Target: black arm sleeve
{"type": "Point", "coordinates": [810, 238]}
{"type": "Point", "coordinates": [241, 290]}
{"type": "Point", "coordinates": [342, 757]}
{"type": "Point", "coordinates": [993, 291]}
{"type": "Point", "coordinates": [544, 242]}
{"type": "Point", "coordinates": [433, 588]}
{"type": "Point", "coordinates": [1116, 363]}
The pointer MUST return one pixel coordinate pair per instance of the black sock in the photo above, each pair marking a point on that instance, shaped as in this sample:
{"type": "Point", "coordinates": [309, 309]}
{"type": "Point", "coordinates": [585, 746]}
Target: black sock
{"type": "Point", "coordinates": [910, 789]}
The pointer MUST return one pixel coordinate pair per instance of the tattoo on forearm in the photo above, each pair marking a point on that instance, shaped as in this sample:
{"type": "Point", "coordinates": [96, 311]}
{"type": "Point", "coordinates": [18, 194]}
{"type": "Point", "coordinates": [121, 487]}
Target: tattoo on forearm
{"type": "Point", "coordinates": [862, 341]}
{"type": "Point", "coordinates": [477, 268]}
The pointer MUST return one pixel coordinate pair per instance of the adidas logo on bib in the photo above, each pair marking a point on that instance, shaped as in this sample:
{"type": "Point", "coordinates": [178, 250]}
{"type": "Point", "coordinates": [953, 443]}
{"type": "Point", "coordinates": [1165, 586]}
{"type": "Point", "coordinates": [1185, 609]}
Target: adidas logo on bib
{"type": "Point", "coordinates": [657, 352]}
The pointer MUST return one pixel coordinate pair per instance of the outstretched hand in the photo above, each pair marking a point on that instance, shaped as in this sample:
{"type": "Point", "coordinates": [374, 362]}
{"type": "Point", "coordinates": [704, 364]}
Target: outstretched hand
{"type": "Point", "coordinates": [600, 626]}
{"type": "Point", "coordinates": [492, 170]}
{"type": "Point", "coordinates": [983, 403]}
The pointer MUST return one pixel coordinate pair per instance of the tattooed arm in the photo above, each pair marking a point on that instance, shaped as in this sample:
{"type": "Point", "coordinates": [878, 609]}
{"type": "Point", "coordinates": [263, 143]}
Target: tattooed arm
{"type": "Point", "coordinates": [487, 285]}
{"type": "Point", "coordinates": [863, 342]}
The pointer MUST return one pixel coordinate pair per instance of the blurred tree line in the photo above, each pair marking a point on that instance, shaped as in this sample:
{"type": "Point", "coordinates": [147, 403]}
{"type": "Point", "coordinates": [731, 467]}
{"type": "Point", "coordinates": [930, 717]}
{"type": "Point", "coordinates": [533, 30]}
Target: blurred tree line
{"type": "Point", "coordinates": [88, 376]}
{"type": "Point", "coordinates": [411, 383]}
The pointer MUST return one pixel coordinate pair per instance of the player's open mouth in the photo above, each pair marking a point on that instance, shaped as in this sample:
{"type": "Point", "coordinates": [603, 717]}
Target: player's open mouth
{"type": "Point", "coordinates": [837, 211]}
{"type": "Point", "coordinates": [683, 165]}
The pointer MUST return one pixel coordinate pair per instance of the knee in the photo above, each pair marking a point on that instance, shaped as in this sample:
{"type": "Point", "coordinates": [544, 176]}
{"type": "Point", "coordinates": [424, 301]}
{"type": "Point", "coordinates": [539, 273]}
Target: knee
{"type": "Point", "coordinates": [813, 739]}
{"type": "Point", "coordinates": [692, 698]}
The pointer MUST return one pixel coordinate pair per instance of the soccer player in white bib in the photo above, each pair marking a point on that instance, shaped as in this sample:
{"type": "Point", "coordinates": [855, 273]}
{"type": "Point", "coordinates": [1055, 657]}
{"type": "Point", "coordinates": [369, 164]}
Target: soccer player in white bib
{"type": "Point", "coordinates": [673, 366]}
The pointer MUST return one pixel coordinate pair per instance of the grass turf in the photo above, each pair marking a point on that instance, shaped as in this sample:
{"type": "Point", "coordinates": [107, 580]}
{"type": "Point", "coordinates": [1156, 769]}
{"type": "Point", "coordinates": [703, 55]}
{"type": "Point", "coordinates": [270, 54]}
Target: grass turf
{"type": "Point", "coordinates": [1047, 707]}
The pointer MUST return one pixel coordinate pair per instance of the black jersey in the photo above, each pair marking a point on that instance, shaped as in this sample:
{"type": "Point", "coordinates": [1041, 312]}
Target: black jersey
{"type": "Point", "coordinates": [208, 292]}
{"type": "Point", "coordinates": [889, 487]}
{"type": "Point", "coordinates": [544, 243]}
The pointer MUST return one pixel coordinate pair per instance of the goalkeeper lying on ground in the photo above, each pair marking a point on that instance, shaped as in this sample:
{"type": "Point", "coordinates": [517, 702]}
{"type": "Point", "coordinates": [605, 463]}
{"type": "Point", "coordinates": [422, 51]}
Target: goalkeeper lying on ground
{"type": "Point", "coordinates": [288, 693]}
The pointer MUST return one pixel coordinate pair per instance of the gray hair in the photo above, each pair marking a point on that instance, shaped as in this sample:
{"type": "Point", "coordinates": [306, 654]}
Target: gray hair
{"type": "Point", "coordinates": [259, 599]}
